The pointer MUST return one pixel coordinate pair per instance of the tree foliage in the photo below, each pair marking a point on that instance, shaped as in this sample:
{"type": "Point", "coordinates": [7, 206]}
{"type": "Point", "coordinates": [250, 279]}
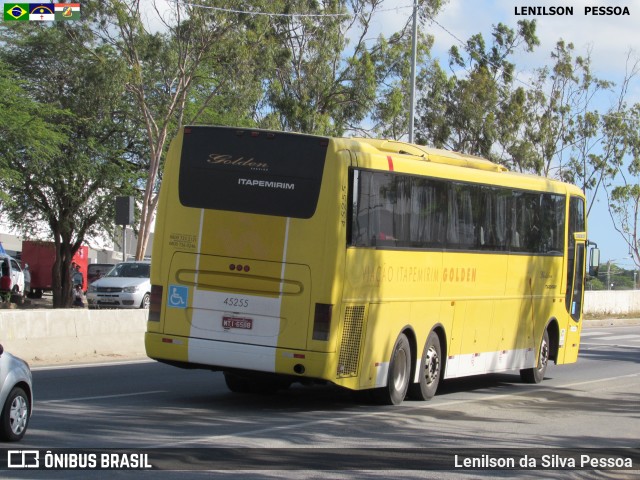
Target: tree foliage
{"type": "Point", "coordinates": [477, 109]}
{"type": "Point", "coordinates": [328, 77]}
{"type": "Point", "coordinates": [67, 178]}
{"type": "Point", "coordinates": [195, 60]}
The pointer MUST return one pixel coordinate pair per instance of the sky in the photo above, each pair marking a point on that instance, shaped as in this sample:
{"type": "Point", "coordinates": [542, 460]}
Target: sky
{"type": "Point", "coordinates": [607, 38]}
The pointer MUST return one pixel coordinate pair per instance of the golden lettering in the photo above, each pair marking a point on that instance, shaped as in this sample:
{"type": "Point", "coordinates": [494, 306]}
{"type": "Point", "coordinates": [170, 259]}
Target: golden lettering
{"type": "Point", "coordinates": [223, 159]}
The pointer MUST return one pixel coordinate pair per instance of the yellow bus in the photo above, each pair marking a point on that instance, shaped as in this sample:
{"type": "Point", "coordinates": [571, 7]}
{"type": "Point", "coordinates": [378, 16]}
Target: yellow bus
{"type": "Point", "coordinates": [375, 265]}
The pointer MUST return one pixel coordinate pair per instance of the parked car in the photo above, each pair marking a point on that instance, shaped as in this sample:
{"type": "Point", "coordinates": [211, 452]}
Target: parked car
{"type": "Point", "coordinates": [11, 268]}
{"type": "Point", "coordinates": [16, 397]}
{"type": "Point", "coordinates": [96, 271]}
{"type": "Point", "coordinates": [127, 285]}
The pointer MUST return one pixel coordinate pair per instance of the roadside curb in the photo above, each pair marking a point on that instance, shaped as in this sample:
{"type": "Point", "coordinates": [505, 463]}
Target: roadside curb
{"type": "Point", "coordinates": [612, 322]}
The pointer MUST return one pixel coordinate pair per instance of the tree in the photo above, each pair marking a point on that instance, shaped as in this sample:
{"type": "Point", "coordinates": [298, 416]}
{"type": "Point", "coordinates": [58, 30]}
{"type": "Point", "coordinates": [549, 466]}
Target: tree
{"type": "Point", "coordinates": [624, 196]}
{"type": "Point", "coordinates": [477, 110]}
{"type": "Point", "coordinates": [324, 85]}
{"type": "Point", "coordinates": [392, 59]}
{"type": "Point", "coordinates": [68, 184]}
{"type": "Point", "coordinates": [176, 74]}
{"type": "Point", "coordinates": [23, 129]}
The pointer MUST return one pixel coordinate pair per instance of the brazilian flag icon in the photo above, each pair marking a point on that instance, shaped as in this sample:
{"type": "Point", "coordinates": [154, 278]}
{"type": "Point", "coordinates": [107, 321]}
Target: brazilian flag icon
{"type": "Point", "coordinates": [16, 12]}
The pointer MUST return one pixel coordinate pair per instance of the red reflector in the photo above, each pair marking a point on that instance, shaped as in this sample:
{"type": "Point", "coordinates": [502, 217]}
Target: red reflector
{"type": "Point", "coordinates": [255, 134]}
{"type": "Point", "coordinates": [298, 355]}
{"type": "Point", "coordinates": [187, 131]}
{"type": "Point", "coordinates": [167, 340]}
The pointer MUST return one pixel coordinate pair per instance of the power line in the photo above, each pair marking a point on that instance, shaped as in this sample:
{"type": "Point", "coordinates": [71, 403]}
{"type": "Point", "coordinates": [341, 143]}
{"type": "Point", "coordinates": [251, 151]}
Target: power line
{"type": "Point", "coordinates": [268, 14]}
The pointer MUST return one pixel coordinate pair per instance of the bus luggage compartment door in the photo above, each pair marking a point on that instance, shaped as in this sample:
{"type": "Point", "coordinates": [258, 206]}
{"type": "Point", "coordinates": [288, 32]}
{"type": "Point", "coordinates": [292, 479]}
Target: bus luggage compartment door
{"type": "Point", "coordinates": [239, 300]}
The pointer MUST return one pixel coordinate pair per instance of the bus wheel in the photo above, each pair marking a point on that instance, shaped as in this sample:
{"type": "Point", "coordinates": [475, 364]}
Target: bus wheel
{"type": "Point", "coordinates": [399, 374]}
{"type": "Point", "coordinates": [536, 375]}
{"type": "Point", "coordinates": [430, 368]}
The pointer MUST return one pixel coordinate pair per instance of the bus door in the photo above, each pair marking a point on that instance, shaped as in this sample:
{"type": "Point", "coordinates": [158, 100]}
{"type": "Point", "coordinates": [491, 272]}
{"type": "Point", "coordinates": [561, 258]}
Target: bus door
{"type": "Point", "coordinates": [576, 256]}
{"type": "Point", "coordinates": [576, 259]}
{"type": "Point", "coordinates": [577, 280]}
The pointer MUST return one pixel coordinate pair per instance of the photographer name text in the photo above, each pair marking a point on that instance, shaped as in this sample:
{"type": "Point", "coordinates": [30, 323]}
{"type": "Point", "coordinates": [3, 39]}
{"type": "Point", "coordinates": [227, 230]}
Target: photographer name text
{"type": "Point", "coordinates": [570, 10]}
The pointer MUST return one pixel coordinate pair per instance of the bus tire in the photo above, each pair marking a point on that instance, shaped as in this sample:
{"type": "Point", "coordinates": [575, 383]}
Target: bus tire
{"type": "Point", "coordinates": [536, 375]}
{"type": "Point", "coordinates": [430, 370]}
{"type": "Point", "coordinates": [399, 375]}
{"type": "Point", "coordinates": [237, 383]}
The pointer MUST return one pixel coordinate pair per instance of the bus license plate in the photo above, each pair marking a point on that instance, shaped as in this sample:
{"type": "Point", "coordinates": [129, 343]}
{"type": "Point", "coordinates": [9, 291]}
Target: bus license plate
{"type": "Point", "coordinates": [237, 322]}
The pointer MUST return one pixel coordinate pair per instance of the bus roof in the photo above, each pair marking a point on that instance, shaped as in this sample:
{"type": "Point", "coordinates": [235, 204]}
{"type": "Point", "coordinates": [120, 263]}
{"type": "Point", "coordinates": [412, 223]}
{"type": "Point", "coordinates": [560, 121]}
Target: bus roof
{"type": "Point", "coordinates": [444, 158]}
{"type": "Point", "coordinates": [435, 155]}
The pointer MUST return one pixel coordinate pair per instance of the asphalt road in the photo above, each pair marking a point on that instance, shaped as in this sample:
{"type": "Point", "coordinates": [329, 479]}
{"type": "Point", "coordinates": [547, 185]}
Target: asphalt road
{"type": "Point", "coordinates": [591, 404]}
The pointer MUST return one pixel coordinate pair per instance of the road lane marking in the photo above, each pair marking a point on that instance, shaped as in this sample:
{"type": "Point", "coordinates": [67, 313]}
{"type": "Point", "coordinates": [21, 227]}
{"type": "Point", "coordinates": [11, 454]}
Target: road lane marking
{"type": "Point", "coordinates": [68, 366]}
{"type": "Point", "coordinates": [628, 336]}
{"type": "Point", "coordinates": [101, 397]}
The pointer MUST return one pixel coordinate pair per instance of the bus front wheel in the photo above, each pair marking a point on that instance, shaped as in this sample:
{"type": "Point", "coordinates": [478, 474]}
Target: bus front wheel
{"type": "Point", "coordinates": [430, 368]}
{"type": "Point", "coordinates": [536, 374]}
{"type": "Point", "coordinates": [399, 374]}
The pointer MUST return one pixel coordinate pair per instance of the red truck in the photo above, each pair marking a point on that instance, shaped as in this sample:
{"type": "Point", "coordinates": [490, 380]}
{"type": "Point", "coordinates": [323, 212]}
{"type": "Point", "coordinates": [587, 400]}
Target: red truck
{"type": "Point", "coordinates": [40, 256]}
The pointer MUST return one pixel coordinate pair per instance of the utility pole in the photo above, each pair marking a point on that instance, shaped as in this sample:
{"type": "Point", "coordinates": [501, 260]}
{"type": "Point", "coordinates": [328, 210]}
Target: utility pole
{"type": "Point", "coordinates": [414, 53]}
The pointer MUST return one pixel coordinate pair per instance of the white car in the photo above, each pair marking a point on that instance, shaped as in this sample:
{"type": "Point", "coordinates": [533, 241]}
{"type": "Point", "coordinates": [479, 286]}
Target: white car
{"type": "Point", "coordinates": [127, 285]}
{"type": "Point", "coordinates": [11, 267]}
{"type": "Point", "coordinates": [16, 397]}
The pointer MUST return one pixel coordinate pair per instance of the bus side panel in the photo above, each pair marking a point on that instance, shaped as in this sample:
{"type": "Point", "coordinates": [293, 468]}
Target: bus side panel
{"type": "Point", "coordinates": [471, 283]}
{"type": "Point", "coordinates": [384, 323]}
{"type": "Point", "coordinates": [181, 233]}
{"type": "Point", "coordinates": [401, 290]}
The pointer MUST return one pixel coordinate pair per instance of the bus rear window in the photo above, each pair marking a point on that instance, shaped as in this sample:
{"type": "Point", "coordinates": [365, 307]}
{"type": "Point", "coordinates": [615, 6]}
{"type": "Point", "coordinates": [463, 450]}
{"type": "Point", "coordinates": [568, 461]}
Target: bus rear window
{"type": "Point", "coordinates": [251, 171]}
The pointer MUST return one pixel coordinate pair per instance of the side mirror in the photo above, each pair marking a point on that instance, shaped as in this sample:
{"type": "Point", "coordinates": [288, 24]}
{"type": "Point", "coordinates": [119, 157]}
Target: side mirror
{"type": "Point", "coordinates": [594, 262]}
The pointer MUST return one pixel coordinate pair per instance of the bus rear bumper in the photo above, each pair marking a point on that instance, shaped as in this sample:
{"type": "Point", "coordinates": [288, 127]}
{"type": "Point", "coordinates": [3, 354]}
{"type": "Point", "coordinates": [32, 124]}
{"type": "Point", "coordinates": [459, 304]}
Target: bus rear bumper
{"type": "Point", "coordinates": [218, 355]}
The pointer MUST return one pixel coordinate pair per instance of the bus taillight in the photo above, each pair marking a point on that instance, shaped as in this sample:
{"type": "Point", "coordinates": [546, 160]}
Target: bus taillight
{"type": "Point", "coordinates": [322, 321]}
{"type": "Point", "coordinates": [155, 303]}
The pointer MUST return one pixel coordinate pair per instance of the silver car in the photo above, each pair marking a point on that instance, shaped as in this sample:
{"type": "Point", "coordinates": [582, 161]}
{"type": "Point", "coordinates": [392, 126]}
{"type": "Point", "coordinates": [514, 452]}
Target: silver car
{"type": "Point", "coordinates": [16, 396]}
{"type": "Point", "coordinates": [127, 285]}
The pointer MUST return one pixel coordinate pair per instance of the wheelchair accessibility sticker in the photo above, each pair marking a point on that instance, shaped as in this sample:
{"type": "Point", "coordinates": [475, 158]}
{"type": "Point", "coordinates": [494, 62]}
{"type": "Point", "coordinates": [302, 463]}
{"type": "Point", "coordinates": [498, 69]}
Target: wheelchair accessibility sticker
{"type": "Point", "coordinates": [178, 296]}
